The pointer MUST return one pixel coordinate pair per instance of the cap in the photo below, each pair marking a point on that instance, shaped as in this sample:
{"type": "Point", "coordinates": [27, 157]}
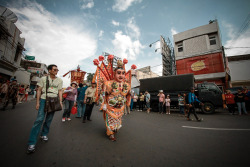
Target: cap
{"type": "Point", "coordinates": [161, 91]}
{"type": "Point", "coordinates": [74, 82]}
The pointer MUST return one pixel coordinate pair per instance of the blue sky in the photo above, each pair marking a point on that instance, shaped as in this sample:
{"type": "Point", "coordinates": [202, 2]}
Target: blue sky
{"type": "Point", "coordinates": [75, 32]}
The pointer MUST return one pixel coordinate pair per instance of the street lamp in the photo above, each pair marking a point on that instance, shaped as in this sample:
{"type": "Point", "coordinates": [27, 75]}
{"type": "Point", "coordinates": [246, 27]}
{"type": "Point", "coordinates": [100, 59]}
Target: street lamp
{"type": "Point", "coordinates": [157, 49]}
{"type": "Point", "coordinates": [150, 45]}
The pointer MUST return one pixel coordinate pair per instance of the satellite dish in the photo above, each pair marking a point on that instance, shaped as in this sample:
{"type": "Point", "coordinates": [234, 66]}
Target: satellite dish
{"type": "Point", "coordinates": [7, 14]}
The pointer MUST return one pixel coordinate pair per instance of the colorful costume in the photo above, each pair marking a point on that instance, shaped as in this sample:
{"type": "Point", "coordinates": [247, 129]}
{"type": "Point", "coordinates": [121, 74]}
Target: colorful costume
{"type": "Point", "coordinates": [114, 93]}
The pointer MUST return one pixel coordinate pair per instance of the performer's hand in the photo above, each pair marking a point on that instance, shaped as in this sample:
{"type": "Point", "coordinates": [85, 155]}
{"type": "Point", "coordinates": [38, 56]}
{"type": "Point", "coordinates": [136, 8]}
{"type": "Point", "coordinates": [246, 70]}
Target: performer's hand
{"type": "Point", "coordinates": [104, 107]}
{"type": "Point", "coordinates": [37, 106]}
{"type": "Point", "coordinates": [190, 105]}
{"type": "Point", "coordinates": [84, 101]}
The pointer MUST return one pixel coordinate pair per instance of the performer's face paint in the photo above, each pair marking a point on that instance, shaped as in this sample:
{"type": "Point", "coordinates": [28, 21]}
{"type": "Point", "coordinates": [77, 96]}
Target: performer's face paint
{"type": "Point", "coordinates": [119, 75]}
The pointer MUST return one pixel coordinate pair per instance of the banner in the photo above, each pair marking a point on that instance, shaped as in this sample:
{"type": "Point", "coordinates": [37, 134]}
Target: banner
{"type": "Point", "coordinates": [77, 76]}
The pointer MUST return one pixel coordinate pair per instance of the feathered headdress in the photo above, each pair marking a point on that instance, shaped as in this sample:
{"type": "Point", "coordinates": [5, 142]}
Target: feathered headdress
{"type": "Point", "coordinates": [106, 72]}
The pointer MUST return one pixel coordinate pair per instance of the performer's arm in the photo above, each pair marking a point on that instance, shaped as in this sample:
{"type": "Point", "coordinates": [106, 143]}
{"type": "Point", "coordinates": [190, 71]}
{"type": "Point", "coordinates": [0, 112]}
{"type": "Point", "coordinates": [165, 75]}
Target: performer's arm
{"type": "Point", "coordinates": [128, 98]}
{"type": "Point", "coordinates": [104, 103]}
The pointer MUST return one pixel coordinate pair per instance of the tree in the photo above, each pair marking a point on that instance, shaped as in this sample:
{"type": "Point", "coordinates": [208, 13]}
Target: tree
{"type": "Point", "coordinates": [90, 77]}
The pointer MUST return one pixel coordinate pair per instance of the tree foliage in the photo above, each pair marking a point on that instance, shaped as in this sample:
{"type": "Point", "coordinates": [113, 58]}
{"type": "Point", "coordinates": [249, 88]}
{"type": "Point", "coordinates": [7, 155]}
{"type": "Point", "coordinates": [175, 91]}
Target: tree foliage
{"type": "Point", "coordinates": [90, 76]}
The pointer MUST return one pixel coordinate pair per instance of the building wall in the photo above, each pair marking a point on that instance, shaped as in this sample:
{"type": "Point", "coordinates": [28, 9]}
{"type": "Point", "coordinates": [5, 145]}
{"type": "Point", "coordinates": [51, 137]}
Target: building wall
{"type": "Point", "coordinates": [202, 54]}
{"type": "Point", "coordinates": [203, 64]}
{"type": "Point", "coordinates": [11, 47]}
{"type": "Point", "coordinates": [142, 75]}
{"type": "Point", "coordinates": [239, 71]}
{"type": "Point", "coordinates": [23, 77]}
{"type": "Point", "coordinates": [196, 41]}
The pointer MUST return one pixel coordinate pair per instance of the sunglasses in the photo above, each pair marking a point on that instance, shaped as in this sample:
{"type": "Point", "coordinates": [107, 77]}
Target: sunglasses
{"type": "Point", "coordinates": [55, 70]}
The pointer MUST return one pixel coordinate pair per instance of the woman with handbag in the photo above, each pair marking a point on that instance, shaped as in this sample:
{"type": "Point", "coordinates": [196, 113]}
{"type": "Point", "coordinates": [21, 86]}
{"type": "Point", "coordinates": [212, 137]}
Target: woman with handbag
{"type": "Point", "coordinates": [69, 101]}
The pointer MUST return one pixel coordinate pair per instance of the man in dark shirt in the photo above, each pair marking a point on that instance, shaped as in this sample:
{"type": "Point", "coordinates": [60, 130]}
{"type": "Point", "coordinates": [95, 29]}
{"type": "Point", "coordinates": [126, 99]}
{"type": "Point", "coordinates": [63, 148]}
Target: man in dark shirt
{"type": "Point", "coordinates": [240, 101]}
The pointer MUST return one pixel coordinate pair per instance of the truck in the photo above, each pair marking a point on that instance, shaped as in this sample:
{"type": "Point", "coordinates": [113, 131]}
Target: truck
{"type": "Point", "coordinates": [208, 93]}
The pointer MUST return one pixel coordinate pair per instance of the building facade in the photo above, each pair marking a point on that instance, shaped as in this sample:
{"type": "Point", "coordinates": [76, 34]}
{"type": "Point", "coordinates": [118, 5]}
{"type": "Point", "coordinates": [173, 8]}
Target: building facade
{"type": "Point", "coordinates": [36, 70]}
{"type": "Point", "coordinates": [239, 70]}
{"type": "Point", "coordinates": [11, 44]}
{"type": "Point", "coordinates": [199, 51]}
{"type": "Point", "coordinates": [144, 73]}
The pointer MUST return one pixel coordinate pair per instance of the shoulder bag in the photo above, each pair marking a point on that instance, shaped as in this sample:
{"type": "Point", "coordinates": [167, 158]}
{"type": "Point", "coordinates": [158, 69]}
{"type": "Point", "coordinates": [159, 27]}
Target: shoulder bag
{"type": "Point", "coordinates": [52, 103]}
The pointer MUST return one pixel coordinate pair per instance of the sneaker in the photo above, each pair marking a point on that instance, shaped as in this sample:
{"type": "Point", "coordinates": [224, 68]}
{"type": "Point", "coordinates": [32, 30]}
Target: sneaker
{"type": "Point", "coordinates": [68, 119]}
{"type": "Point", "coordinates": [189, 119]}
{"type": "Point", "coordinates": [199, 120]}
{"type": "Point", "coordinates": [63, 119]}
{"type": "Point", "coordinates": [44, 138]}
{"type": "Point", "coordinates": [31, 149]}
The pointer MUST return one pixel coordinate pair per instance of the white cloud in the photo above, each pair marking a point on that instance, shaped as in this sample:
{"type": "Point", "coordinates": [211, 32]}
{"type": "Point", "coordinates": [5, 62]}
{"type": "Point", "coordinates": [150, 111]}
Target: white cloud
{"type": "Point", "coordinates": [134, 30]}
{"type": "Point", "coordinates": [173, 31]}
{"type": "Point", "coordinates": [236, 44]}
{"type": "Point", "coordinates": [157, 45]}
{"type": "Point", "coordinates": [230, 29]}
{"type": "Point", "coordinates": [125, 47]}
{"type": "Point", "coordinates": [52, 40]}
{"type": "Point", "coordinates": [86, 4]}
{"type": "Point", "coordinates": [100, 33]}
{"type": "Point", "coordinates": [123, 5]}
{"type": "Point", "coordinates": [115, 23]}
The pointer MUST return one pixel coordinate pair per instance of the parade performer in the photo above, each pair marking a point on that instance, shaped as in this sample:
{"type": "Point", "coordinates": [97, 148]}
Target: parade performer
{"type": "Point", "coordinates": [113, 90]}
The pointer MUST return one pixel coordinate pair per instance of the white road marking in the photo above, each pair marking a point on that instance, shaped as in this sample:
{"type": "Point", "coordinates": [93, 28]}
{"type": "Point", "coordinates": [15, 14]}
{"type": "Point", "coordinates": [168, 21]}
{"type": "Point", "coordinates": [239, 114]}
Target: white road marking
{"type": "Point", "coordinates": [193, 127]}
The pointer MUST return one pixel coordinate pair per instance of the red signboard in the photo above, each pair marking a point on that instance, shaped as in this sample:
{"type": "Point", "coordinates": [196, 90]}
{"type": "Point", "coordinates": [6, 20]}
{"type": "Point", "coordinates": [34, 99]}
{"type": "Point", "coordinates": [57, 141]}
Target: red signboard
{"type": "Point", "coordinates": [204, 64]}
{"type": "Point", "coordinates": [77, 76]}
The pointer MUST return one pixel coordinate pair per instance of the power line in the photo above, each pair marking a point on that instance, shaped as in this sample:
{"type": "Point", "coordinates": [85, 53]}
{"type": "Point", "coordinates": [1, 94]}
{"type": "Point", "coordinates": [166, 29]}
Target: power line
{"type": "Point", "coordinates": [243, 27]}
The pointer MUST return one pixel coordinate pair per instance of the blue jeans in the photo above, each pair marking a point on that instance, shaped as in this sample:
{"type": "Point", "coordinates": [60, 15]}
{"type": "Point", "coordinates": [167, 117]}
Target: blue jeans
{"type": "Point", "coordinates": [181, 109]}
{"type": "Point", "coordinates": [80, 108]}
{"type": "Point", "coordinates": [131, 104]}
{"type": "Point", "coordinates": [38, 123]}
{"type": "Point", "coordinates": [68, 104]}
{"type": "Point", "coordinates": [241, 105]}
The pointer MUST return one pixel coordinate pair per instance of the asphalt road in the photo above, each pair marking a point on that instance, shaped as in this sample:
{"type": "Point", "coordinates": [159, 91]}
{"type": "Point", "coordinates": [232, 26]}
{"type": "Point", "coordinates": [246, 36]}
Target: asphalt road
{"type": "Point", "coordinates": [152, 140]}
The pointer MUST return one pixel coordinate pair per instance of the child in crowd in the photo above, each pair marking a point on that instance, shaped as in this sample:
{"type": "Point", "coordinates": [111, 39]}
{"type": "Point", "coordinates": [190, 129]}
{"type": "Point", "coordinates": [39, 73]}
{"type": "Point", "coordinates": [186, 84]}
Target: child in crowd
{"type": "Point", "coordinates": [167, 102]}
{"type": "Point", "coordinates": [181, 103]}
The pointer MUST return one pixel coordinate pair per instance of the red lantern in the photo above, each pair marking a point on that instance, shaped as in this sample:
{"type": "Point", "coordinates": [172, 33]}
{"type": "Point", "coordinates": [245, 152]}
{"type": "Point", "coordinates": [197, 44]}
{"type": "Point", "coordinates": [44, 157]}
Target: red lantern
{"type": "Point", "coordinates": [101, 58]}
{"type": "Point", "coordinates": [133, 67]}
{"type": "Point", "coordinates": [110, 57]}
{"type": "Point", "coordinates": [96, 62]}
{"type": "Point", "coordinates": [125, 61]}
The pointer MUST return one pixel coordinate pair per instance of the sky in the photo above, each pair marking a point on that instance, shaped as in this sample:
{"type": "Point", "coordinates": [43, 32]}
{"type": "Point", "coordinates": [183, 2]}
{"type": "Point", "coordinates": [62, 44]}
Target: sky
{"type": "Point", "coordinates": [75, 32]}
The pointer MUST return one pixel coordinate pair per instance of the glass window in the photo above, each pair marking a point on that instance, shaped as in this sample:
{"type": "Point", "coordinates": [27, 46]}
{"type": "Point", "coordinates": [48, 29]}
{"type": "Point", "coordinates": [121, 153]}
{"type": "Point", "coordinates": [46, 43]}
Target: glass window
{"type": "Point", "coordinates": [180, 47]}
{"type": "Point", "coordinates": [210, 88]}
{"type": "Point", "coordinates": [212, 40]}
